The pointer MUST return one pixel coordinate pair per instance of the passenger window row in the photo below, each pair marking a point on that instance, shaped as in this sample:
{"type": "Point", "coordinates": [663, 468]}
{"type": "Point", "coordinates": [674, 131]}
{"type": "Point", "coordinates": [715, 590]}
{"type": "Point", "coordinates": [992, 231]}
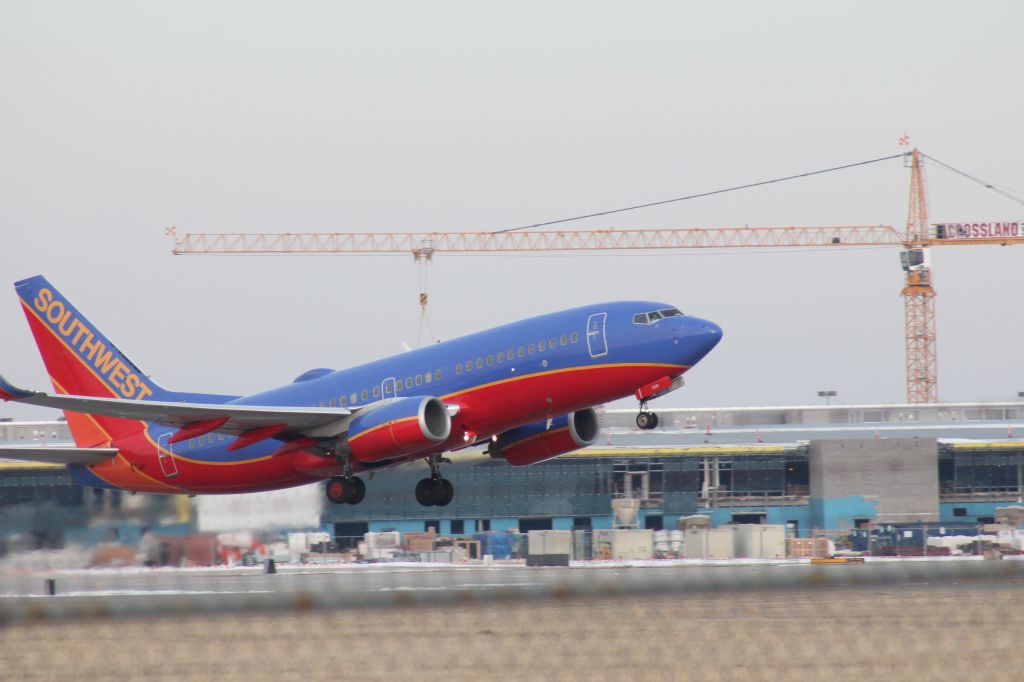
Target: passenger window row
{"type": "Point", "coordinates": [520, 352]}
{"type": "Point", "coordinates": [398, 386]}
{"type": "Point", "coordinates": [391, 388]}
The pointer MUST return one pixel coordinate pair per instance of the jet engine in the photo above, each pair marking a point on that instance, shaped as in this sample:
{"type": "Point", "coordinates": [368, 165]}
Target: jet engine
{"type": "Point", "coordinates": [402, 427]}
{"type": "Point", "coordinates": [549, 438]}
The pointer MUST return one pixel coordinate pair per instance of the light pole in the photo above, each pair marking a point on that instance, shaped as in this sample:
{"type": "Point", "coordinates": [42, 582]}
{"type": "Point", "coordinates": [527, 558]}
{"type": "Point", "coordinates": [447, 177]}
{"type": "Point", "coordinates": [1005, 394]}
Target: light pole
{"type": "Point", "coordinates": [827, 395]}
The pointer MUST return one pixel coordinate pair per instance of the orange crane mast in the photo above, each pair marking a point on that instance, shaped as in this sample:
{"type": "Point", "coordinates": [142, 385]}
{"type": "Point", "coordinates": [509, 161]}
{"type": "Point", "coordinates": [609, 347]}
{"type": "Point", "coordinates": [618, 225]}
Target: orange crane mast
{"type": "Point", "coordinates": [918, 296]}
{"type": "Point", "coordinates": [918, 292]}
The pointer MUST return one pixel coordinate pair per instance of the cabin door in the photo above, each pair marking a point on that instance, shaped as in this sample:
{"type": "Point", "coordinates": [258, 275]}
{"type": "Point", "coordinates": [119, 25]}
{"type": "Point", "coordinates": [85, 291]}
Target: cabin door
{"type": "Point", "coordinates": [597, 343]}
{"type": "Point", "coordinates": [389, 388]}
{"type": "Point", "coordinates": [165, 455]}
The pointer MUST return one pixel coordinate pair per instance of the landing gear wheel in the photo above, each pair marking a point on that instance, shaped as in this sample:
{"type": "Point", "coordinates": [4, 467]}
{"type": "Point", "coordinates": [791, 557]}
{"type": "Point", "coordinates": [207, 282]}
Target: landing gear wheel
{"type": "Point", "coordinates": [447, 492]}
{"type": "Point", "coordinates": [357, 490]}
{"type": "Point", "coordinates": [426, 492]}
{"type": "Point", "coordinates": [346, 490]}
{"type": "Point", "coordinates": [337, 490]}
{"type": "Point", "coordinates": [647, 421]}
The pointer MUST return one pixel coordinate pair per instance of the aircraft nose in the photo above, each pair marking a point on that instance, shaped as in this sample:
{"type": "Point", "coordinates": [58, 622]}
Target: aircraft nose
{"type": "Point", "coordinates": [702, 337]}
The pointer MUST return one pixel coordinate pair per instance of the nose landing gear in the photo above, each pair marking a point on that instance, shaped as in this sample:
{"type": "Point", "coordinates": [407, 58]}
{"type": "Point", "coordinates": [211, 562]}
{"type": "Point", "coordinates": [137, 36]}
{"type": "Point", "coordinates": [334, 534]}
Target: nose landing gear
{"type": "Point", "coordinates": [435, 491]}
{"type": "Point", "coordinates": [649, 420]}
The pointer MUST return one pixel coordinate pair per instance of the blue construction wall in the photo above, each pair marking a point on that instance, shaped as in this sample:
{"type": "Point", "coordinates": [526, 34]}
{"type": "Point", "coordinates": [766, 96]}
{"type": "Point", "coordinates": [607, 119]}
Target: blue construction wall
{"type": "Point", "coordinates": [504, 524]}
{"type": "Point", "coordinates": [410, 526]}
{"type": "Point", "coordinates": [780, 514]}
{"type": "Point", "coordinates": [718, 515]}
{"type": "Point", "coordinates": [974, 510]}
{"type": "Point", "coordinates": [825, 514]}
{"type": "Point", "coordinates": [828, 511]}
{"type": "Point", "coordinates": [444, 526]}
{"type": "Point", "coordinates": [838, 513]}
{"type": "Point", "coordinates": [784, 514]}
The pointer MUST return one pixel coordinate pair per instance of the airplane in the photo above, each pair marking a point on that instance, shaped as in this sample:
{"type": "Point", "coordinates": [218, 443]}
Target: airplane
{"type": "Point", "coordinates": [527, 389]}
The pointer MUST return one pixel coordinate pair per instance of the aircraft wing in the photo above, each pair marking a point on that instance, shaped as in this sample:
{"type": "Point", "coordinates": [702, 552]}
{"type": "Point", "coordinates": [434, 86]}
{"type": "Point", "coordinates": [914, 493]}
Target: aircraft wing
{"type": "Point", "coordinates": [240, 418]}
{"type": "Point", "coordinates": [56, 454]}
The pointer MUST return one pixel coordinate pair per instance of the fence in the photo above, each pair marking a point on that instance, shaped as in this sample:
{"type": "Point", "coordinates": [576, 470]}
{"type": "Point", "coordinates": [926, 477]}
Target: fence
{"type": "Point", "coordinates": [936, 619]}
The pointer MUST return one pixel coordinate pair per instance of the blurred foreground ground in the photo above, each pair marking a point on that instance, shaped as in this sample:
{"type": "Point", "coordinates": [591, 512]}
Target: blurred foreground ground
{"type": "Point", "coordinates": [923, 633]}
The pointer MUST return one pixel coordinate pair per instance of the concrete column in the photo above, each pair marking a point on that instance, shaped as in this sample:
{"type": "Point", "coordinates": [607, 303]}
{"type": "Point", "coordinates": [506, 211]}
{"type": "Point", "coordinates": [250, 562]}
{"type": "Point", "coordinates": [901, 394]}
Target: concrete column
{"type": "Point", "coordinates": [894, 480]}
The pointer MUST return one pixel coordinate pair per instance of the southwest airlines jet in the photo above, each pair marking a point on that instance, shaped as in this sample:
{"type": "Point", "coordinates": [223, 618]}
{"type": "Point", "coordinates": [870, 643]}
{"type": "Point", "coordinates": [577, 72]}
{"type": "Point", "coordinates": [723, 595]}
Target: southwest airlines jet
{"type": "Point", "coordinates": [528, 389]}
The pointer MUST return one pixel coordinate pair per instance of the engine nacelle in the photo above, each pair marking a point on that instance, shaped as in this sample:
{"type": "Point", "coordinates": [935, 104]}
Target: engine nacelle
{"type": "Point", "coordinates": [545, 439]}
{"type": "Point", "coordinates": [402, 427]}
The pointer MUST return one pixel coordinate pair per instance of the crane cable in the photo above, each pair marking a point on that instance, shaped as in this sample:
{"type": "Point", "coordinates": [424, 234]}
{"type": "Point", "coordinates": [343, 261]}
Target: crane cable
{"type": "Point", "coordinates": [987, 185]}
{"type": "Point", "coordinates": [703, 194]}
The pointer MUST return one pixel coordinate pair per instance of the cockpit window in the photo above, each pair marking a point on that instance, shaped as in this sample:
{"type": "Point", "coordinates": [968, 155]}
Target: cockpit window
{"type": "Point", "coordinates": [655, 315]}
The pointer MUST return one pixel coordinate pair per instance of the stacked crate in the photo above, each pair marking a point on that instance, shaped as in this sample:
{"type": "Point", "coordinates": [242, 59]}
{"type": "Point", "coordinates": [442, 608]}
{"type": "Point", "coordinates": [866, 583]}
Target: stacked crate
{"type": "Point", "coordinates": [808, 548]}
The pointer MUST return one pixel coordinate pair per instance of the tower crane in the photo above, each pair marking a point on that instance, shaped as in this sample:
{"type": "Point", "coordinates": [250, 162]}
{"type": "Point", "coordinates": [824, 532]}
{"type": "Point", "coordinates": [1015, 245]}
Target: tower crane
{"type": "Point", "coordinates": [915, 240]}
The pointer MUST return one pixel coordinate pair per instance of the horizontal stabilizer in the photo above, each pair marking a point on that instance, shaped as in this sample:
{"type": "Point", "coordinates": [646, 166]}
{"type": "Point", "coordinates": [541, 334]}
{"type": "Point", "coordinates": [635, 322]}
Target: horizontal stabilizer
{"type": "Point", "coordinates": [9, 391]}
{"type": "Point", "coordinates": [239, 418]}
{"type": "Point", "coordinates": [54, 454]}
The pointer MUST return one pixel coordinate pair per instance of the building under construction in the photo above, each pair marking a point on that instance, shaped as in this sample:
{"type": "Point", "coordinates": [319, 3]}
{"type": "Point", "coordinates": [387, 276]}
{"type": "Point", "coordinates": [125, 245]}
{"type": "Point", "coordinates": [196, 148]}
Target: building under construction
{"type": "Point", "coordinates": [809, 468]}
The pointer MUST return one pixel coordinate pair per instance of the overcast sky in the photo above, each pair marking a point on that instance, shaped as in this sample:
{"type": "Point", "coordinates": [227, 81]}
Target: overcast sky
{"type": "Point", "coordinates": [121, 118]}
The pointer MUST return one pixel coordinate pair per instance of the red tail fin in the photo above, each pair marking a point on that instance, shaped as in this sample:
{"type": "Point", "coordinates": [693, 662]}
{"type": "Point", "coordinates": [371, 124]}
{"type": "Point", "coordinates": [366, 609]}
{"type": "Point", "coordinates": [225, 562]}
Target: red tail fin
{"type": "Point", "coordinates": [82, 361]}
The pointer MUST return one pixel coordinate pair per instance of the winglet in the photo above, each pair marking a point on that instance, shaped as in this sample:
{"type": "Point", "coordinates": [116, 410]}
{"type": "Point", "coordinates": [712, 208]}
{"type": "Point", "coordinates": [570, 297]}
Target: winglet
{"type": "Point", "coordinates": [9, 391]}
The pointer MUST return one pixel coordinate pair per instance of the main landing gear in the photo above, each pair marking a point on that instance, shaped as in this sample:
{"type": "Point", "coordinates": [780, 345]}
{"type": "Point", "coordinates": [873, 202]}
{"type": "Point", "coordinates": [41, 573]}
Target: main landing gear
{"type": "Point", "coordinates": [346, 490]}
{"type": "Point", "coordinates": [646, 420]}
{"type": "Point", "coordinates": [435, 491]}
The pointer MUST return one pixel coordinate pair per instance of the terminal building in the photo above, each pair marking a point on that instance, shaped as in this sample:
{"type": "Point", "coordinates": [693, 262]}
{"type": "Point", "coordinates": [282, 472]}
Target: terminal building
{"type": "Point", "coordinates": [810, 468]}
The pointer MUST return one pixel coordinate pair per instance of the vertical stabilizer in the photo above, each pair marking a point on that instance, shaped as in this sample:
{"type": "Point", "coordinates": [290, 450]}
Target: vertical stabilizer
{"type": "Point", "coordinates": [81, 360]}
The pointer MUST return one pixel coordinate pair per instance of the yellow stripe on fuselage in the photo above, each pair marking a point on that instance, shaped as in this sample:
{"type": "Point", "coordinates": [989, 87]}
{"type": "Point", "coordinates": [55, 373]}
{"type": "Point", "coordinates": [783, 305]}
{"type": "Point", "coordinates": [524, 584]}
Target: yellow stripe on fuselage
{"type": "Point", "coordinates": [578, 368]}
{"type": "Point", "coordinates": [370, 430]}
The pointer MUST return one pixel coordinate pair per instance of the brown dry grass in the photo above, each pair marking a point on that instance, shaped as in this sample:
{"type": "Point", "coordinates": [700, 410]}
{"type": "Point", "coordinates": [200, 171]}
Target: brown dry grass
{"type": "Point", "coordinates": [920, 634]}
